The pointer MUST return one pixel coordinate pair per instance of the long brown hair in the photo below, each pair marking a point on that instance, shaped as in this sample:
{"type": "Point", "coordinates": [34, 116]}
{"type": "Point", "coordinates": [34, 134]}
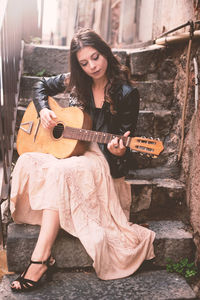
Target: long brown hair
{"type": "Point", "coordinates": [80, 83]}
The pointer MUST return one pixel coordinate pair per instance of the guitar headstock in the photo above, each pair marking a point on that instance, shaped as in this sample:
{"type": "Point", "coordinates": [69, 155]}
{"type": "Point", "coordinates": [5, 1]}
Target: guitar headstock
{"type": "Point", "coordinates": [146, 145]}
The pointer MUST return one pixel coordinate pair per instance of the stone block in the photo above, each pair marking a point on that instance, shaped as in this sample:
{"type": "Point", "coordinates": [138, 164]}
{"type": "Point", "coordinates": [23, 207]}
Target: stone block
{"type": "Point", "coordinates": [146, 60]}
{"type": "Point", "coordinates": [155, 124]}
{"type": "Point", "coordinates": [53, 60]}
{"type": "Point", "coordinates": [157, 199]}
{"type": "Point", "coordinates": [69, 252]}
{"type": "Point", "coordinates": [150, 123]}
{"type": "Point", "coordinates": [121, 55]}
{"type": "Point", "coordinates": [22, 238]}
{"type": "Point", "coordinates": [173, 240]}
{"type": "Point", "coordinates": [148, 285]}
{"type": "Point", "coordinates": [27, 92]}
{"type": "Point", "coordinates": [45, 60]}
{"type": "Point", "coordinates": [26, 89]}
{"type": "Point", "coordinates": [155, 94]}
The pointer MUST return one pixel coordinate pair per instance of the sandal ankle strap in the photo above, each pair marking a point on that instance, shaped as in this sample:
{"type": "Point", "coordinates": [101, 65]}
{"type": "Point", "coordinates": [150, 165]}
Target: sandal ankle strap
{"type": "Point", "coordinates": [43, 262]}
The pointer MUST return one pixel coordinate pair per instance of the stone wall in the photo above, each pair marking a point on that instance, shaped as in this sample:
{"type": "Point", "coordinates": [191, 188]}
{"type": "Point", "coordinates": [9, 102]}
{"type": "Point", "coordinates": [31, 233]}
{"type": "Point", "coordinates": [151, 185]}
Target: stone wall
{"type": "Point", "coordinates": [191, 166]}
{"type": "Point", "coordinates": [191, 156]}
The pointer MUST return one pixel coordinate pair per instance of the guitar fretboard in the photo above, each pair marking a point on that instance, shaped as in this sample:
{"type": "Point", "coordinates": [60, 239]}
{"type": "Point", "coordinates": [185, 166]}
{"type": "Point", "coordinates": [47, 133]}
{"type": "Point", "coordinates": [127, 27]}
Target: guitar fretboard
{"type": "Point", "coordinates": [92, 136]}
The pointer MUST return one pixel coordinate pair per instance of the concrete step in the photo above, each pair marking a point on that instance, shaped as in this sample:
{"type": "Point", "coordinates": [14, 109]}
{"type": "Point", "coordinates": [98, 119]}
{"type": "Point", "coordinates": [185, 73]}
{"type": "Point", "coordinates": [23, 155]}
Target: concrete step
{"type": "Point", "coordinates": [173, 240]}
{"type": "Point", "coordinates": [148, 285]}
{"type": "Point", "coordinates": [157, 199]}
{"type": "Point", "coordinates": [155, 94]}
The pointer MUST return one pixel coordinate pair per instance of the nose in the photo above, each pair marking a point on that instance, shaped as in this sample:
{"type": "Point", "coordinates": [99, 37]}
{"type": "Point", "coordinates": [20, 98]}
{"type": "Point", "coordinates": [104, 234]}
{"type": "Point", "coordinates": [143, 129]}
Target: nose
{"type": "Point", "coordinates": [91, 64]}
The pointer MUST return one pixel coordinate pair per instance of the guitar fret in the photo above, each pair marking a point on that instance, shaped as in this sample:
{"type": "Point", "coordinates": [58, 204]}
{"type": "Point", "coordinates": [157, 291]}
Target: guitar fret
{"type": "Point", "coordinates": [95, 137]}
{"type": "Point", "coordinates": [89, 135]}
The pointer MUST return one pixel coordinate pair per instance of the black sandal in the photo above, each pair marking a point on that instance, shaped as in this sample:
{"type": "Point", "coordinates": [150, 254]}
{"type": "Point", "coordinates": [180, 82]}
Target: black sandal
{"type": "Point", "coordinates": [27, 285]}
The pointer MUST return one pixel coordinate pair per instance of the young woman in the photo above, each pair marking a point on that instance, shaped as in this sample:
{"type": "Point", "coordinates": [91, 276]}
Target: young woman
{"type": "Point", "coordinates": [85, 195]}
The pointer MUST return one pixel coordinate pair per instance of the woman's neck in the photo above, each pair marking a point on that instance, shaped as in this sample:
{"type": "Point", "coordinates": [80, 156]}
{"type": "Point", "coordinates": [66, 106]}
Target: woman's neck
{"type": "Point", "coordinates": [99, 84]}
{"type": "Point", "coordinates": [98, 92]}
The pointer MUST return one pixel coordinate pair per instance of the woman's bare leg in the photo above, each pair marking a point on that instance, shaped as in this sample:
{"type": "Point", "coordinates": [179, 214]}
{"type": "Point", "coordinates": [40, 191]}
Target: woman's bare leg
{"type": "Point", "coordinates": [48, 232]}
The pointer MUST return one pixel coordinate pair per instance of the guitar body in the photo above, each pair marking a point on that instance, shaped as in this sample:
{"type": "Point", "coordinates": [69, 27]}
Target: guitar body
{"type": "Point", "coordinates": [32, 137]}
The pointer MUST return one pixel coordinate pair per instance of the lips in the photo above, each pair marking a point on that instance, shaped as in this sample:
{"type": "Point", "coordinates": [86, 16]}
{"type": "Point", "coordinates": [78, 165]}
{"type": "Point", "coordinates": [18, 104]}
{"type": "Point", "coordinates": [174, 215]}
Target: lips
{"type": "Point", "coordinates": [95, 73]}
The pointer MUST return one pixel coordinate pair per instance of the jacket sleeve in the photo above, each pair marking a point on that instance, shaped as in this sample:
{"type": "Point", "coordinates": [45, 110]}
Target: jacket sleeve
{"type": "Point", "coordinates": [48, 87]}
{"type": "Point", "coordinates": [128, 112]}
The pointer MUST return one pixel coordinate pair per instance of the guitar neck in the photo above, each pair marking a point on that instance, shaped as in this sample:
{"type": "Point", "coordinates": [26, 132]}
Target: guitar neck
{"type": "Point", "coordinates": [92, 136]}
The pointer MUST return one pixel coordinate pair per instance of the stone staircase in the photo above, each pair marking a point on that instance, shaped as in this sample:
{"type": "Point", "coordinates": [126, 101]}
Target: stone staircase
{"type": "Point", "coordinates": [158, 196]}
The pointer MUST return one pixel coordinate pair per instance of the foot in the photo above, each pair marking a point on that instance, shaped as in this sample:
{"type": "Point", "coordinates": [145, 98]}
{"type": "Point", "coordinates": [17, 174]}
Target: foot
{"type": "Point", "coordinates": [34, 272]}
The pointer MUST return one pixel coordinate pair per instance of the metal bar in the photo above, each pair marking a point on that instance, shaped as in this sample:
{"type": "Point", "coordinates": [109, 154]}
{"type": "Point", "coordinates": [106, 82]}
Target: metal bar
{"type": "Point", "coordinates": [1, 231]}
{"type": "Point", "coordinates": [196, 78]}
{"type": "Point", "coordinates": [174, 29]}
{"type": "Point", "coordinates": [177, 28]}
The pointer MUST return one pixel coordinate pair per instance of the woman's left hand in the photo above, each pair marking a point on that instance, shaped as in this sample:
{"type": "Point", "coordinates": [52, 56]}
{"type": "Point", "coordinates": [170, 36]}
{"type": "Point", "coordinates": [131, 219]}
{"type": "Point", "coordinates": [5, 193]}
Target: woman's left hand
{"type": "Point", "coordinates": [116, 146]}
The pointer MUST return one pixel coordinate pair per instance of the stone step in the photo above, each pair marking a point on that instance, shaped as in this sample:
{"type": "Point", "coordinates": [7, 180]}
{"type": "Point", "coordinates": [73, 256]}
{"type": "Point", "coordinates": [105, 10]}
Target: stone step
{"type": "Point", "coordinates": [150, 124]}
{"type": "Point", "coordinates": [173, 240]}
{"type": "Point", "coordinates": [148, 285]}
{"type": "Point", "coordinates": [51, 60]}
{"type": "Point", "coordinates": [155, 123]}
{"type": "Point", "coordinates": [157, 199]}
{"type": "Point", "coordinates": [155, 94]}
{"type": "Point", "coordinates": [152, 62]}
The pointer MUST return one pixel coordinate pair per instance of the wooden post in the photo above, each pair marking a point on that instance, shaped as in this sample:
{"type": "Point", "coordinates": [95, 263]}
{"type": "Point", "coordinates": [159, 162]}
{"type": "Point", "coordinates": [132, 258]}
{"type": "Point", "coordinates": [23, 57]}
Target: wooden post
{"type": "Point", "coordinates": [127, 27]}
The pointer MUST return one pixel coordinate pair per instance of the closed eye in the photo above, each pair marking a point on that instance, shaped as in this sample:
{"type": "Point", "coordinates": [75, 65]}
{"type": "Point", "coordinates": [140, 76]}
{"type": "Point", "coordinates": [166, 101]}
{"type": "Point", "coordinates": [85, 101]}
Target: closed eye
{"type": "Point", "coordinates": [96, 57]}
{"type": "Point", "coordinates": [83, 64]}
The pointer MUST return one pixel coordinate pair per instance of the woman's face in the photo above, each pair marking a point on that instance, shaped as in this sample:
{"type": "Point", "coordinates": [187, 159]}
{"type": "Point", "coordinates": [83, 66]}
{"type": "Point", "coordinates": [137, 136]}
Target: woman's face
{"type": "Point", "coordinates": [92, 62]}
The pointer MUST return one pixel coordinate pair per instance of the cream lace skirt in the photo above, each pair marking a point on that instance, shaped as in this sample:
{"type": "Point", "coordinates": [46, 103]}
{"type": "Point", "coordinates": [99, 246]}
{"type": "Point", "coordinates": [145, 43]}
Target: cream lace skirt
{"type": "Point", "coordinates": [91, 205]}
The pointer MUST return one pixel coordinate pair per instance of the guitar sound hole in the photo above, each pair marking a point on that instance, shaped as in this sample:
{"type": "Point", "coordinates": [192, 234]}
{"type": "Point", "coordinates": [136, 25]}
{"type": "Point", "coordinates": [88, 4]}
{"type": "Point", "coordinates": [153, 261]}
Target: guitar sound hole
{"type": "Point", "coordinates": [58, 130]}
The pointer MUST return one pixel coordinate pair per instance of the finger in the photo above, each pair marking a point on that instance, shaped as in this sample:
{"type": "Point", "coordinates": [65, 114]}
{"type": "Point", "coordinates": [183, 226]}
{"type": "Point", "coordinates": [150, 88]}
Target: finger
{"type": "Point", "coordinates": [127, 133]}
{"type": "Point", "coordinates": [115, 143]}
{"type": "Point", "coordinates": [53, 115]}
{"type": "Point", "coordinates": [121, 144]}
{"type": "Point", "coordinates": [50, 119]}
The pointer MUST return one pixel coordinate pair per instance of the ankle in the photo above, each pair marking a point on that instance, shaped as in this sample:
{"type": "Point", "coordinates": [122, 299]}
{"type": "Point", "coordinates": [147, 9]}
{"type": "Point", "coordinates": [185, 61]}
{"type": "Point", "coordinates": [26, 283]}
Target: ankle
{"type": "Point", "coordinates": [40, 256]}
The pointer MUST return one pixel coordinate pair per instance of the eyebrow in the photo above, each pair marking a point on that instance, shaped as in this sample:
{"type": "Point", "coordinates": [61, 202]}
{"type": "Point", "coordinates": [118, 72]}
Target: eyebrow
{"type": "Point", "coordinates": [96, 52]}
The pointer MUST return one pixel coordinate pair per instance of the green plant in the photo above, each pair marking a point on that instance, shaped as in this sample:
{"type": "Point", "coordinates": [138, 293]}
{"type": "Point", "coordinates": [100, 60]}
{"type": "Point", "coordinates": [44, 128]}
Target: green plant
{"type": "Point", "coordinates": [182, 267]}
{"type": "Point", "coordinates": [41, 73]}
{"type": "Point", "coordinates": [36, 40]}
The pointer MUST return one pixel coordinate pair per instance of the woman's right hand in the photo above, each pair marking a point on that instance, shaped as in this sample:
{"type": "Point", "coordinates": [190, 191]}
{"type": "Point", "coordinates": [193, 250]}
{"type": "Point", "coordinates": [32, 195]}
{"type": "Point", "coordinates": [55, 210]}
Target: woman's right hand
{"type": "Point", "coordinates": [47, 117]}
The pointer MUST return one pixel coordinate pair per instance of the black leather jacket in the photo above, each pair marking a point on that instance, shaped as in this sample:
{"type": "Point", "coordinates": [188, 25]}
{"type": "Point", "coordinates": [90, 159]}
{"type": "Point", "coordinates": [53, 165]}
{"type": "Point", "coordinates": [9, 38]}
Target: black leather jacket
{"type": "Point", "coordinates": [127, 107]}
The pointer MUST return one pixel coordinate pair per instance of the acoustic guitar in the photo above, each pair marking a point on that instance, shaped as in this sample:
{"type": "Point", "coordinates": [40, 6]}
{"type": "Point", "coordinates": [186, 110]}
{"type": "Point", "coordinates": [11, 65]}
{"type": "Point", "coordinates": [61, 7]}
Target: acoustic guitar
{"type": "Point", "coordinates": [71, 133]}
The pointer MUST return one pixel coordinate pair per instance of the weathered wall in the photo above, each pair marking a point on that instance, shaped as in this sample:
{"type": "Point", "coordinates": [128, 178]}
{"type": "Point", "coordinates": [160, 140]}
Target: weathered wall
{"type": "Point", "coordinates": [191, 169]}
{"type": "Point", "coordinates": [122, 23]}
{"type": "Point", "coordinates": [191, 153]}
{"type": "Point", "coordinates": [170, 14]}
